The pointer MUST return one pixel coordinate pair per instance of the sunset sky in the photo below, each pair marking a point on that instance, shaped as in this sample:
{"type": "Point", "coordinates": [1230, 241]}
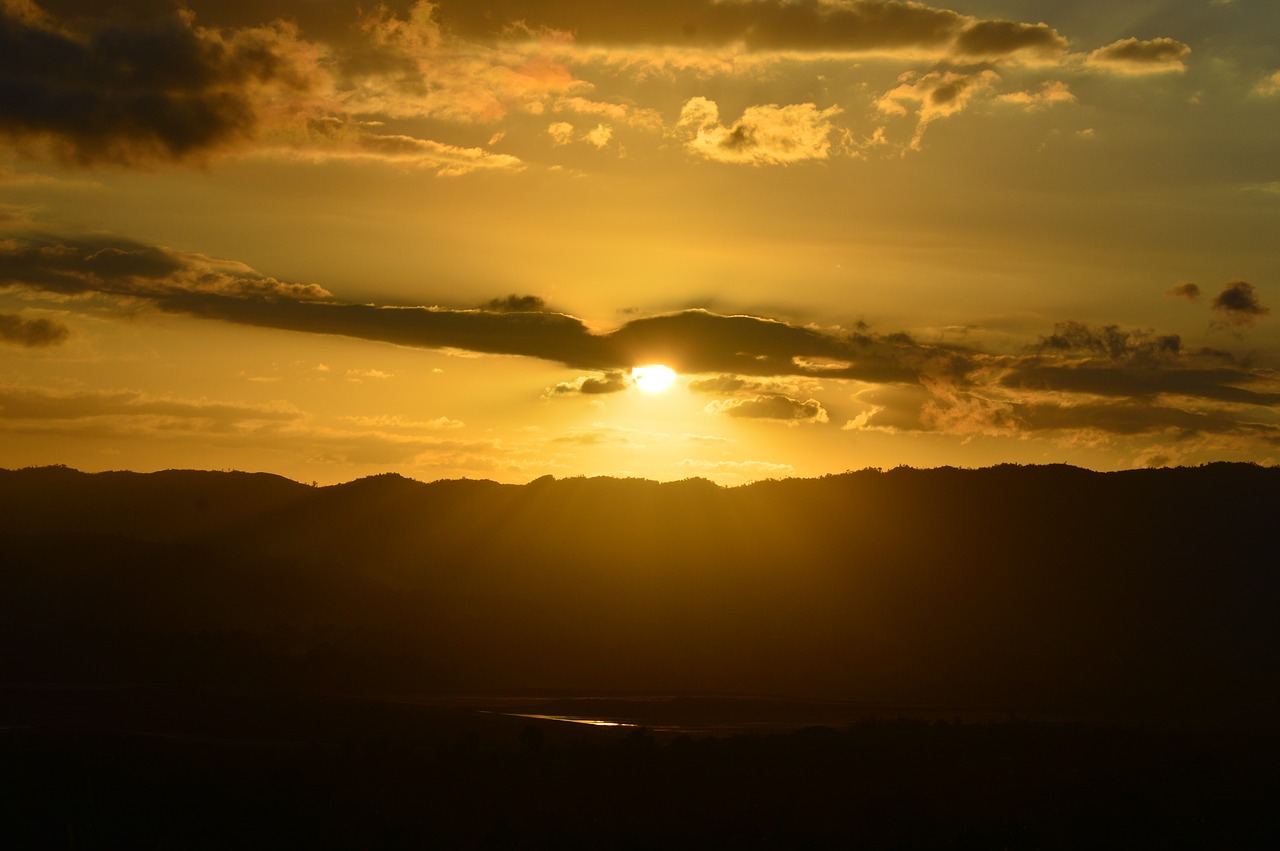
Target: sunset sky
{"type": "Point", "coordinates": [329, 239]}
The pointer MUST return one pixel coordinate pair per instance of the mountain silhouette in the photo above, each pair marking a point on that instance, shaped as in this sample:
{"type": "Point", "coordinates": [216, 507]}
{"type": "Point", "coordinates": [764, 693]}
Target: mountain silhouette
{"type": "Point", "coordinates": [1130, 594]}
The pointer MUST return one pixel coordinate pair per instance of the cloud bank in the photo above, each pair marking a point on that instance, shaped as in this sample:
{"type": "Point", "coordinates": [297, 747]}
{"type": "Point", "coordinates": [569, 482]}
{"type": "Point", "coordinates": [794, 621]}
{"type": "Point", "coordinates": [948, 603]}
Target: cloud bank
{"type": "Point", "coordinates": [1081, 379]}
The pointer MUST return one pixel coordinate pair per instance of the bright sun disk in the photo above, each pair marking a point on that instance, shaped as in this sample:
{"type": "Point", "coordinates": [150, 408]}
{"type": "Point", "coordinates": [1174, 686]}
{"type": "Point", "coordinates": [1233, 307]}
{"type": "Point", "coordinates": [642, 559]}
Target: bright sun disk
{"type": "Point", "coordinates": [653, 377]}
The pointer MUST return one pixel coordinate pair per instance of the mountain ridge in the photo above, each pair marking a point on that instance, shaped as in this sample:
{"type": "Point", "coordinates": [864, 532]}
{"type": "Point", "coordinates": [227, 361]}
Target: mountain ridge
{"type": "Point", "coordinates": [1054, 587]}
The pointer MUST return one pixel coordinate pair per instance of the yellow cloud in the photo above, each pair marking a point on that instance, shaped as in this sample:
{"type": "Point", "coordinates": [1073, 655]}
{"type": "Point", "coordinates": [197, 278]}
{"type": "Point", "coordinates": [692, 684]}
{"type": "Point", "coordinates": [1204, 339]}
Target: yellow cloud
{"type": "Point", "coordinates": [764, 135]}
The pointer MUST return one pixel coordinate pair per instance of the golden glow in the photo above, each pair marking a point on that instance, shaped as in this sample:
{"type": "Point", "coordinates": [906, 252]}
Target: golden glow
{"type": "Point", "coordinates": [653, 377]}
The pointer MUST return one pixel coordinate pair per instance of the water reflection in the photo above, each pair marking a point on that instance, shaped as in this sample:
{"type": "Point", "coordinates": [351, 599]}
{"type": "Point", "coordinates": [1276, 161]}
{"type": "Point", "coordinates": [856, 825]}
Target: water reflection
{"type": "Point", "coordinates": [593, 722]}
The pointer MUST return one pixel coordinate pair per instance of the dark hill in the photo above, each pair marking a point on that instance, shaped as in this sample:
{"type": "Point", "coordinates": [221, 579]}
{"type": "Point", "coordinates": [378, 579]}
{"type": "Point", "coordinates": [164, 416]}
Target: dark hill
{"type": "Point", "coordinates": [1144, 593]}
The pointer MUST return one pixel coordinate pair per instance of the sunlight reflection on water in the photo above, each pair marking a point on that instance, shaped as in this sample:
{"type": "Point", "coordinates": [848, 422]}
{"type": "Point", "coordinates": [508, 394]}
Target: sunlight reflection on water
{"type": "Point", "coordinates": [594, 722]}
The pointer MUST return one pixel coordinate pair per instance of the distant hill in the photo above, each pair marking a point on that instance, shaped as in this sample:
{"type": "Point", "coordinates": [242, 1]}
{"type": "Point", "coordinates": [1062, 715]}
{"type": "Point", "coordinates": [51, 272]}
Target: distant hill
{"type": "Point", "coordinates": [1035, 588]}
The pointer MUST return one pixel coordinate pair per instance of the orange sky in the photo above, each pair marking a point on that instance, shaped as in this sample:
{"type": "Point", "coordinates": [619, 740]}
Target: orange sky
{"type": "Point", "coordinates": [436, 238]}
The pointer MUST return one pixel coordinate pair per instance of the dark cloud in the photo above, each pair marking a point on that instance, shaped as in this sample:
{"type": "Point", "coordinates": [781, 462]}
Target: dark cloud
{"type": "Point", "coordinates": [1109, 341]}
{"type": "Point", "coordinates": [1221, 385]}
{"type": "Point", "coordinates": [31, 333]}
{"type": "Point", "coordinates": [1154, 54]}
{"type": "Point", "coordinates": [772, 406]}
{"type": "Point", "coordinates": [136, 89]}
{"type": "Point", "coordinates": [759, 25]}
{"type": "Point", "coordinates": [1238, 303]}
{"type": "Point", "coordinates": [1133, 418]}
{"type": "Point", "coordinates": [692, 341]}
{"type": "Point", "coordinates": [851, 25]}
{"type": "Point", "coordinates": [998, 38]}
{"type": "Point", "coordinates": [515, 304]}
{"type": "Point", "coordinates": [1110, 361]}
{"type": "Point", "coordinates": [1187, 291]}
{"type": "Point", "coordinates": [123, 268]}
{"type": "Point", "coordinates": [614, 381]}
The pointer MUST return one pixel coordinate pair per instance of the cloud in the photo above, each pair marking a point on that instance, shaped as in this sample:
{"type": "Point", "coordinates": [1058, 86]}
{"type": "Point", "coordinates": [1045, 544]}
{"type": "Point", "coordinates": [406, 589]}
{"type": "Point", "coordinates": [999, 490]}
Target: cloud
{"type": "Point", "coordinates": [1191, 292]}
{"type": "Point", "coordinates": [1051, 93]}
{"type": "Point", "coordinates": [1136, 56]}
{"type": "Point", "coordinates": [154, 86]}
{"type": "Point", "coordinates": [1238, 303]}
{"type": "Point", "coordinates": [765, 135]}
{"type": "Point", "coordinates": [938, 94]}
{"type": "Point", "coordinates": [692, 341]}
{"type": "Point", "coordinates": [415, 67]}
{"type": "Point", "coordinates": [1109, 341]}
{"type": "Point", "coordinates": [561, 132]}
{"type": "Point", "coordinates": [31, 333]}
{"type": "Point", "coordinates": [619, 113]}
{"type": "Point", "coordinates": [772, 26]}
{"type": "Point", "coordinates": [398, 423]}
{"type": "Point", "coordinates": [126, 269]}
{"type": "Point", "coordinates": [1136, 382]}
{"type": "Point", "coordinates": [772, 406]}
{"type": "Point", "coordinates": [991, 39]}
{"type": "Point", "coordinates": [21, 404]}
{"type": "Point", "coordinates": [1084, 382]}
{"type": "Point", "coordinates": [599, 136]}
{"type": "Point", "coordinates": [1268, 85]}
{"type": "Point", "coordinates": [1077, 372]}
{"type": "Point", "coordinates": [613, 381]}
{"type": "Point", "coordinates": [515, 304]}
{"type": "Point", "coordinates": [159, 88]}
{"type": "Point", "coordinates": [335, 139]}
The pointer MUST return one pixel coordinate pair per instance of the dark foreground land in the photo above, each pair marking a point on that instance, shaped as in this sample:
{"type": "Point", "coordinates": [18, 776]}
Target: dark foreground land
{"type": "Point", "coordinates": [199, 768]}
{"type": "Point", "coordinates": [1057, 659]}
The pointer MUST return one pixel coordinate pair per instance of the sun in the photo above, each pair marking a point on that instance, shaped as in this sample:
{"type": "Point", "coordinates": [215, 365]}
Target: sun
{"type": "Point", "coordinates": [653, 377]}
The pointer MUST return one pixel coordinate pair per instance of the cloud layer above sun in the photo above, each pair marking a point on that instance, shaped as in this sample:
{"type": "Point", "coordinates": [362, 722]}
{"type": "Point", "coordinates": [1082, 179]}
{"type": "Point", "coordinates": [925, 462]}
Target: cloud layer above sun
{"type": "Point", "coordinates": [152, 82]}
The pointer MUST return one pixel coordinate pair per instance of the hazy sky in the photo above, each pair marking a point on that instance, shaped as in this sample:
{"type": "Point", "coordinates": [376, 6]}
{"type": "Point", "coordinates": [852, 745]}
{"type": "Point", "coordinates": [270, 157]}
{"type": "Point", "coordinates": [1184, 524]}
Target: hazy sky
{"type": "Point", "coordinates": [328, 239]}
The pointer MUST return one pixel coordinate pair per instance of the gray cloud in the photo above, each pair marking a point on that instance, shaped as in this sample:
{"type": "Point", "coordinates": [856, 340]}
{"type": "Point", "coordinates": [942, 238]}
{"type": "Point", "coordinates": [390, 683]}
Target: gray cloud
{"type": "Point", "coordinates": [1109, 341]}
{"type": "Point", "coordinates": [772, 406]}
{"type": "Point", "coordinates": [128, 269]}
{"type": "Point", "coordinates": [613, 381]}
{"type": "Point", "coordinates": [1141, 56]}
{"type": "Point", "coordinates": [31, 333]}
{"type": "Point", "coordinates": [134, 89]}
{"type": "Point", "coordinates": [1221, 385]}
{"type": "Point", "coordinates": [767, 25]}
{"type": "Point", "coordinates": [515, 304]}
{"type": "Point", "coordinates": [693, 341]}
{"type": "Point", "coordinates": [1191, 292]}
{"type": "Point", "coordinates": [1133, 418]}
{"type": "Point", "coordinates": [998, 38]}
{"type": "Point", "coordinates": [1238, 303]}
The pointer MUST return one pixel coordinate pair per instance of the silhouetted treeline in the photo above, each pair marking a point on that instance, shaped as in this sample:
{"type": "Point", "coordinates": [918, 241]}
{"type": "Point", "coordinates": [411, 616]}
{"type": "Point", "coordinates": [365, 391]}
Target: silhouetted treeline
{"type": "Point", "coordinates": [1136, 594]}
